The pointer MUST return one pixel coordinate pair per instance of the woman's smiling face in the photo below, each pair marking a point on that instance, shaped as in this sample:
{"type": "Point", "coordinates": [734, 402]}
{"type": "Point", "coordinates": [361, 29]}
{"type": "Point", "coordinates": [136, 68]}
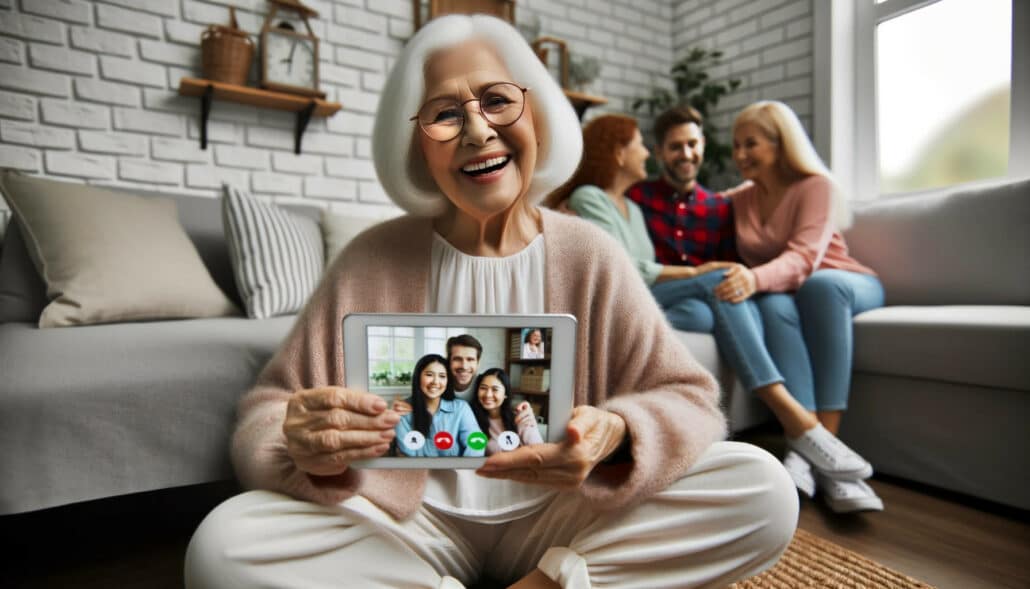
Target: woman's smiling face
{"type": "Point", "coordinates": [486, 168]}
{"type": "Point", "coordinates": [433, 380]}
{"type": "Point", "coordinates": [754, 153]}
{"type": "Point", "coordinates": [491, 393]}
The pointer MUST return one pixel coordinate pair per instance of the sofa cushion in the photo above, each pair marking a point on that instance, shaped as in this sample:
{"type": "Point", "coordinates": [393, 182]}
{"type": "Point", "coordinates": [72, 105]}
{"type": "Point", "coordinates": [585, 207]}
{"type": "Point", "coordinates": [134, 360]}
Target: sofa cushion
{"type": "Point", "coordinates": [105, 410]}
{"type": "Point", "coordinates": [338, 230]}
{"type": "Point", "coordinates": [108, 257]}
{"type": "Point", "coordinates": [277, 256]}
{"type": "Point", "coordinates": [978, 345]}
{"type": "Point", "coordinates": [966, 245]}
{"type": "Point", "coordinates": [22, 291]}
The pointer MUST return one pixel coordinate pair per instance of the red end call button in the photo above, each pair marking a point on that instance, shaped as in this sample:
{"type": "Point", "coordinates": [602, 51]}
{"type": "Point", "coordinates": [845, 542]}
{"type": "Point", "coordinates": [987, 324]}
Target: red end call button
{"type": "Point", "coordinates": [443, 440]}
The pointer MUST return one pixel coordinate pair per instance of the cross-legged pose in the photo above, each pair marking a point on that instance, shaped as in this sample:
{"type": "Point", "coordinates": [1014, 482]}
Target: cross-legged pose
{"type": "Point", "coordinates": [470, 134]}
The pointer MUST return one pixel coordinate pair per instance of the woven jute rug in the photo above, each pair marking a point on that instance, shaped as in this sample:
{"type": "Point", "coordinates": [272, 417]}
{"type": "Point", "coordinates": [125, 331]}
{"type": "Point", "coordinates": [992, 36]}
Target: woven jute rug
{"type": "Point", "coordinates": [813, 562]}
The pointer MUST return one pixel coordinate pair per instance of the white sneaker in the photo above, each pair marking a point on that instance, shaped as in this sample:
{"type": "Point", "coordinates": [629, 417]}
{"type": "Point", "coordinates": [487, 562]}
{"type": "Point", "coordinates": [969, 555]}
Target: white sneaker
{"type": "Point", "coordinates": [830, 456]}
{"type": "Point", "coordinates": [848, 496]}
{"type": "Point", "coordinates": [800, 472]}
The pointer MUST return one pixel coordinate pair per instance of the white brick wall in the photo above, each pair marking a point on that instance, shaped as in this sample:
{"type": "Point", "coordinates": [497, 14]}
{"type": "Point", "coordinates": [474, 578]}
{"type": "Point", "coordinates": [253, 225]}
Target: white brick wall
{"type": "Point", "coordinates": [767, 45]}
{"type": "Point", "coordinates": [89, 88]}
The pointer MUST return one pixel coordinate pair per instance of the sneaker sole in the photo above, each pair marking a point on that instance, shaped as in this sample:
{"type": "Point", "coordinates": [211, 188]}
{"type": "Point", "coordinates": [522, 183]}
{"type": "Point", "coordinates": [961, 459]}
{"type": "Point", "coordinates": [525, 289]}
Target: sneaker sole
{"type": "Point", "coordinates": [854, 505]}
{"type": "Point", "coordinates": [846, 475]}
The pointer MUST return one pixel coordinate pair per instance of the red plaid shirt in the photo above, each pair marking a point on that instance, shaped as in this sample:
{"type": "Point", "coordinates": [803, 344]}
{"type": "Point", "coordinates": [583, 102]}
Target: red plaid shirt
{"type": "Point", "coordinates": [686, 229]}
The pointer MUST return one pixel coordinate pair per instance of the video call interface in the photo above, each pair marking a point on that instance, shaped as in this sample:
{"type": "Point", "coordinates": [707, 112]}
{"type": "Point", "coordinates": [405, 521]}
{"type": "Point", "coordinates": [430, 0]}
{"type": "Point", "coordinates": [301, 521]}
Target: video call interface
{"type": "Point", "coordinates": [462, 392]}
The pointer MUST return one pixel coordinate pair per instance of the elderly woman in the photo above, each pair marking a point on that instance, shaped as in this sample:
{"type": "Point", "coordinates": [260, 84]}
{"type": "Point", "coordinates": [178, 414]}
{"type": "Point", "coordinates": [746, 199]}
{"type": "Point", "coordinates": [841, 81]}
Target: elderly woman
{"type": "Point", "coordinates": [628, 495]}
{"type": "Point", "coordinates": [788, 221]}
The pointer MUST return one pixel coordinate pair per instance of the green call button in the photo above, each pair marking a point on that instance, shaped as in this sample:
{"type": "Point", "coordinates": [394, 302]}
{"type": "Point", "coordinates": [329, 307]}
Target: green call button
{"type": "Point", "coordinates": [476, 440]}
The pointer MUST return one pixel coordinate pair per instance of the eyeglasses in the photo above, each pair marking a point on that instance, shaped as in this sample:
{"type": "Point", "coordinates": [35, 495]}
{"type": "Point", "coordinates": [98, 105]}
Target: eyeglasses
{"type": "Point", "coordinates": [501, 104]}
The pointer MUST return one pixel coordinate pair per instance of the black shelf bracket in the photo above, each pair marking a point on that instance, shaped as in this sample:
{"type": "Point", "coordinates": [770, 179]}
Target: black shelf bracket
{"type": "Point", "coordinates": [205, 111]}
{"type": "Point", "coordinates": [303, 118]}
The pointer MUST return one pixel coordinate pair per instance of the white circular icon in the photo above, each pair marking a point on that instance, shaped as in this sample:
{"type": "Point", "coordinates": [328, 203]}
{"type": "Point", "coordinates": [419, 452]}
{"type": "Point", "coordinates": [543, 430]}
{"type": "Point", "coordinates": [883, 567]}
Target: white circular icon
{"type": "Point", "coordinates": [508, 441]}
{"type": "Point", "coordinates": [414, 440]}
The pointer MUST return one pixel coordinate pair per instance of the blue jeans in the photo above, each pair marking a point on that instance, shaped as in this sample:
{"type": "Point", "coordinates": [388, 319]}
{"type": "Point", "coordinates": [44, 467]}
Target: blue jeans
{"type": "Point", "coordinates": [690, 305]}
{"type": "Point", "coordinates": [809, 334]}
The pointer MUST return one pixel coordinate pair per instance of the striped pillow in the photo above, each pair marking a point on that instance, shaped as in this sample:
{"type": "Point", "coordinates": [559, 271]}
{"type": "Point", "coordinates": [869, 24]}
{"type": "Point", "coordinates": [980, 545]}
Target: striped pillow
{"type": "Point", "coordinates": [277, 257]}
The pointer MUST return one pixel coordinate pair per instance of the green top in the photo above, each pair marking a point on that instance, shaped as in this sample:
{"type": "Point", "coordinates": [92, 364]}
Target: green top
{"type": "Point", "coordinates": [594, 204]}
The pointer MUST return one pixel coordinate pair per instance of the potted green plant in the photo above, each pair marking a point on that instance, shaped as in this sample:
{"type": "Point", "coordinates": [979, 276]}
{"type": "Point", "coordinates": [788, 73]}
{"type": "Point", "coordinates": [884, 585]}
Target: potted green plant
{"type": "Point", "coordinates": [694, 87]}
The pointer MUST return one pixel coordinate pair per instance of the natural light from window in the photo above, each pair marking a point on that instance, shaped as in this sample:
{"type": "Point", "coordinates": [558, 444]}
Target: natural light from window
{"type": "Point", "coordinates": [942, 77]}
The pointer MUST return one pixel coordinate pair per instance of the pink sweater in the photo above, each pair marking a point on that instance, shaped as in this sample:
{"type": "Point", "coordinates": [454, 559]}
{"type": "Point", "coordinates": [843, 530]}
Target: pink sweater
{"type": "Point", "coordinates": [628, 361]}
{"type": "Point", "coordinates": [797, 239]}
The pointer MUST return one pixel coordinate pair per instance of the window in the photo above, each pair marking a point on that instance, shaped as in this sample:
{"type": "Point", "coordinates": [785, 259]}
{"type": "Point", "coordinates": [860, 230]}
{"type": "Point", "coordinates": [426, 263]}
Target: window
{"type": "Point", "coordinates": [942, 94]}
{"type": "Point", "coordinates": [919, 94]}
{"type": "Point", "coordinates": [393, 351]}
{"type": "Point", "coordinates": [391, 356]}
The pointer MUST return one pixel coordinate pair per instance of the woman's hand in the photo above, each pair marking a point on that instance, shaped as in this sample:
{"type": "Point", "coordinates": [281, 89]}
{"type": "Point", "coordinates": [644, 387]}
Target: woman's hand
{"type": "Point", "coordinates": [327, 428]}
{"type": "Point", "coordinates": [591, 436]}
{"type": "Point", "coordinates": [524, 415]}
{"type": "Point", "coordinates": [712, 266]}
{"type": "Point", "coordinates": [401, 407]}
{"type": "Point", "coordinates": [738, 285]}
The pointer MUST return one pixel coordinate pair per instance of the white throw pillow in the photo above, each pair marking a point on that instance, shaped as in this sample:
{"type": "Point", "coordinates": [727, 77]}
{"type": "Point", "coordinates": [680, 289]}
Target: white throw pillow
{"type": "Point", "coordinates": [277, 256]}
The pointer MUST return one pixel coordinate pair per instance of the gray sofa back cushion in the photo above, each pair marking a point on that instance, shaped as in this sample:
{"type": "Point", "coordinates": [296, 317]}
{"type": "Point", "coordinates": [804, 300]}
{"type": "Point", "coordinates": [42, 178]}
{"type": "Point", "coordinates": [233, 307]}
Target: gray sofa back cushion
{"type": "Point", "coordinates": [23, 292]}
{"type": "Point", "coordinates": [967, 245]}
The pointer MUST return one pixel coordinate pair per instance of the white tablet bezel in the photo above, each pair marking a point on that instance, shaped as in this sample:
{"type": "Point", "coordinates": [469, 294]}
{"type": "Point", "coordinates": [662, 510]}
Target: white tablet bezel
{"type": "Point", "coordinates": [563, 367]}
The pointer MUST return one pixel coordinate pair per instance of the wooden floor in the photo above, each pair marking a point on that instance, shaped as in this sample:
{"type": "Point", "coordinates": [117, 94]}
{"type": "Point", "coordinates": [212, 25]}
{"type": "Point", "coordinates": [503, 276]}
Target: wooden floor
{"type": "Point", "coordinates": [138, 541]}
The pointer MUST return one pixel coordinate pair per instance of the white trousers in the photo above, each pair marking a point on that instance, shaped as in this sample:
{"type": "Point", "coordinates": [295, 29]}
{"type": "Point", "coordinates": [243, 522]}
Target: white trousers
{"type": "Point", "coordinates": [730, 517]}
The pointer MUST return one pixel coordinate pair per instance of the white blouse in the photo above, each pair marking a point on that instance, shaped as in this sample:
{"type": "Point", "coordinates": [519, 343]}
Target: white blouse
{"type": "Point", "coordinates": [460, 283]}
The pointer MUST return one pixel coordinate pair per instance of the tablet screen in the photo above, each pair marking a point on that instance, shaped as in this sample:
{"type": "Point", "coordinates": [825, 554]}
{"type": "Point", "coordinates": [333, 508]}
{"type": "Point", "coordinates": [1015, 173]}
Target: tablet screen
{"type": "Point", "coordinates": [467, 391]}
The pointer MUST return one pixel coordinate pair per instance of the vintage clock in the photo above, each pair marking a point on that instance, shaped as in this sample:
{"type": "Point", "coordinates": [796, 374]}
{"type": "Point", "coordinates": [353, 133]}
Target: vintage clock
{"type": "Point", "coordinates": [289, 58]}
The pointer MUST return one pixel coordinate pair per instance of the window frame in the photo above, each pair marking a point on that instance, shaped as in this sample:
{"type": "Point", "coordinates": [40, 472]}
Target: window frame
{"type": "Point", "coordinates": [844, 100]}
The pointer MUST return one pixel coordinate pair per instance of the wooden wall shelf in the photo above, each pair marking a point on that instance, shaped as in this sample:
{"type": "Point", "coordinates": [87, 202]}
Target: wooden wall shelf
{"type": "Point", "coordinates": [208, 90]}
{"type": "Point", "coordinates": [581, 102]}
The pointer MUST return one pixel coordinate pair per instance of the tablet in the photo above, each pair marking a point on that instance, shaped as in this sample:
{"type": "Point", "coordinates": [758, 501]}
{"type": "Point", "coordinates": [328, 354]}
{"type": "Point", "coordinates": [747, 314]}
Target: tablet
{"type": "Point", "coordinates": [404, 358]}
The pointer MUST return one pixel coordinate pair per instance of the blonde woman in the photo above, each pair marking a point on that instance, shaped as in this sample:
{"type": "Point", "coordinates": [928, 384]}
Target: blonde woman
{"type": "Point", "coordinates": [788, 219]}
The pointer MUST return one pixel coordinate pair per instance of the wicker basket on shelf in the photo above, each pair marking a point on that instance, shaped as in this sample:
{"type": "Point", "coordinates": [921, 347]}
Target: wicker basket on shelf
{"type": "Point", "coordinates": [226, 52]}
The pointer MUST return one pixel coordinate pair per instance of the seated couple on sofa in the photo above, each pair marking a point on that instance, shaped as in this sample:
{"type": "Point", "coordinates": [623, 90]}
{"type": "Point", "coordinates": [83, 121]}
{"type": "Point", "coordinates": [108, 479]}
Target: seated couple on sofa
{"type": "Point", "coordinates": [782, 317]}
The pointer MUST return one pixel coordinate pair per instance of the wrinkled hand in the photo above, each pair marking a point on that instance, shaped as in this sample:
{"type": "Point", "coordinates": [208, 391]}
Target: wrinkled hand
{"type": "Point", "coordinates": [738, 285]}
{"type": "Point", "coordinates": [327, 428]}
{"type": "Point", "coordinates": [591, 435]}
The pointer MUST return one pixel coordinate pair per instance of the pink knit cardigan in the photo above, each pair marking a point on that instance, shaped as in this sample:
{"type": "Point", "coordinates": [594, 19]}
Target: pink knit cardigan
{"type": "Point", "coordinates": [628, 361]}
{"type": "Point", "coordinates": [797, 239]}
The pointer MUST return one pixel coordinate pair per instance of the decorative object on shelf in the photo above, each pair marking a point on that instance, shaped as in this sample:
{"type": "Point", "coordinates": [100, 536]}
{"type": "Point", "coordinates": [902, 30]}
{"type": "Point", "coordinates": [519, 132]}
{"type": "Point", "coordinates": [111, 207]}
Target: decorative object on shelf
{"type": "Point", "coordinates": [208, 90]}
{"type": "Point", "coordinates": [543, 46]}
{"type": "Point", "coordinates": [580, 101]}
{"type": "Point", "coordinates": [502, 9]}
{"type": "Point", "coordinates": [289, 59]}
{"type": "Point", "coordinates": [695, 87]}
{"type": "Point", "coordinates": [583, 71]}
{"type": "Point", "coordinates": [226, 52]}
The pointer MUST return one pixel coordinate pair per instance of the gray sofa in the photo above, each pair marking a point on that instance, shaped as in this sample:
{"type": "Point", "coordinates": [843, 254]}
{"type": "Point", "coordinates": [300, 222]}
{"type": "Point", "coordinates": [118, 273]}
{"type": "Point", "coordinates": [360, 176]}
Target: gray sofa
{"type": "Point", "coordinates": [941, 378]}
{"type": "Point", "coordinates": [96, 411]}
{"type": "Point", "coordinates": [941, 393]}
